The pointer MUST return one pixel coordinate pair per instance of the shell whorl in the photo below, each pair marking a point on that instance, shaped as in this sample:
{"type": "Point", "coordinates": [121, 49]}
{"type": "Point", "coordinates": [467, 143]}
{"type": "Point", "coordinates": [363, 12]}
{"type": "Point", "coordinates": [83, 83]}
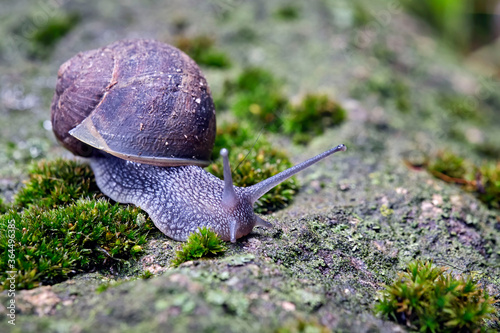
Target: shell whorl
{"type": "Point", "coordinates": [140, 100]}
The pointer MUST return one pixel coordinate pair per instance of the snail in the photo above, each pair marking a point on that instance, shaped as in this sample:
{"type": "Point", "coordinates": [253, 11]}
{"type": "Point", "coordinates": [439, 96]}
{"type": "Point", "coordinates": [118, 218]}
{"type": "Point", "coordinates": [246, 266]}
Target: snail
{"type": "Point", "coordinates": [142, 112]}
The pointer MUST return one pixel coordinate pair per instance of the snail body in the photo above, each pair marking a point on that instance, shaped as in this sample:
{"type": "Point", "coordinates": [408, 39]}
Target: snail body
{"type": "Point", "coordinates": [148, 129]}
{"type": "Point", "coordinates": [178, 199]}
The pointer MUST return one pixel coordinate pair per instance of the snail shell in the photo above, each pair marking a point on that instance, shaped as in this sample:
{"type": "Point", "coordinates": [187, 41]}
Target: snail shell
{"type": "Point", "coordinates": [140, 100]}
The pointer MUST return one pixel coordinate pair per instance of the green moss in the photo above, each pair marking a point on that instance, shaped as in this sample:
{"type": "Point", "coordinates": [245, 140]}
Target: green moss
{"type": "Point", "coordinates": [385, 211]}
{"type": "Point", "coordinates": [203, 243]}
{"type": "Point", "coordinates": [46, 36]}
{"type": "Point", "coordinates": [448, 164]}
{"type": "Point", "coordinates": [253, 161]}
{"type": "Point", "coordinates": [55, 183]}
{"type": "Point", "coordinates": [448, 17]}
{"type": "Point", "coordinates": [3, 206]}
{"type": "Point", "coordinates": [427, 299]}
{"type": "Point", "coordinates": [61, 229]}
{"type": "Point", "coordinates": [361, 14]}
{"type": "Point", "coordinates": [110, 283]}
{"type": "Point", "coordinates": [490, 182]}
{"type": "Point", "coordinates": [303, 326]}
{"type": "Point", "coordinates": [147, 275]}
{"type": "Point", "coordinates": [245, 34]}
{"type": "Point", "coordinates": [51, 245]}
{"type": "Point", "coordinates": [202, 50]}
{"type": "Point", "coordinates": [235, 136]}
{"type": "Point", "coordinates": [461, 106]}
{"type": "Point", "coordinates": [102, 288]}
{"type": "Point", "coordinates": [483, 180]}
{"type": "Point", "coordinates": [311, 117]}
{"type": "Point", "coordinates": [288, 12]}
{"type": "Point", "coordinates": [258, 96]}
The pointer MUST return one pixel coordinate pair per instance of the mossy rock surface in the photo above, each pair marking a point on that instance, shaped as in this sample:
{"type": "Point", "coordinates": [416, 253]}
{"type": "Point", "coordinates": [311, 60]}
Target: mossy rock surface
{"type": "Point", "coordinates": [360, 216]}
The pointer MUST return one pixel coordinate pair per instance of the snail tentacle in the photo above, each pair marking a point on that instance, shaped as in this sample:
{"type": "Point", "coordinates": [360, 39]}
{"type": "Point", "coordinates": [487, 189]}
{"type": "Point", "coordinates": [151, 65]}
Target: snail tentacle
{"type": "Point", "coordinates": [259, 189]}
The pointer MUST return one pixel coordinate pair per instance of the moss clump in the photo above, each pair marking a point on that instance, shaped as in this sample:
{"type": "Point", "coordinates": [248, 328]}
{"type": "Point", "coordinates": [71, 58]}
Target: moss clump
{"type": "Point", "coordinates": [461, 107]}
{"type": "Point", "coordinates": [288, 12]}
{"type": "Point", "coordinates": [234, 136]}
{"type": "Point", "coordinates": [253, 161]}
{"type": "Point", "coordinates": [50, 245]}
{"type": "Point", "coordinates": [55, 183]}
{"type": "Point", "coordinates": [256, 95]}
{"type": "Point", "coordinates": [203, 243]}
{"type": "Point", "coordinates": [303, 326]}
{"type": "Point", "coordinates": [202, 50]}
{"type": "Point", "coordinates": [311, 117]}
{"type": "Point", "coordinates": [146, 275]}
{"type": "Point", "coordinates": [449, 165]}
{"type": "Point", "coordinates": [61, 229]}
{"type": "Point", "coordinates": [427, 299]}
{"type": "Point", "coordinates": [483, 180]}
{"type": "Point", "coordinates": [45, 37]}
{"type": "Point", "coordinates": [489, 188]}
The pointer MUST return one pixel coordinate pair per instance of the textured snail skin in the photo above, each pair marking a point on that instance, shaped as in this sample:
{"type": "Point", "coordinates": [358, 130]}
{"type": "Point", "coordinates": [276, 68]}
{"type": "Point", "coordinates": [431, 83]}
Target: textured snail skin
{"type": "Point", "coordinates": [179, 200]}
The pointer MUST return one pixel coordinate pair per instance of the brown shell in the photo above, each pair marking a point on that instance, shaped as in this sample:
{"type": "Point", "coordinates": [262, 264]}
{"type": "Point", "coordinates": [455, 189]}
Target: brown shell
{"type": "Point", "coordinates": [140, 100]}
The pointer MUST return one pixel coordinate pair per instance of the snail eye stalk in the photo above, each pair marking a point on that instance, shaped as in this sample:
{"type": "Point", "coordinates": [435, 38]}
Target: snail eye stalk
{"type": "Point", "coordinates": [258, 190]}
{"type": "Point", "coordinates": [229, 197]}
